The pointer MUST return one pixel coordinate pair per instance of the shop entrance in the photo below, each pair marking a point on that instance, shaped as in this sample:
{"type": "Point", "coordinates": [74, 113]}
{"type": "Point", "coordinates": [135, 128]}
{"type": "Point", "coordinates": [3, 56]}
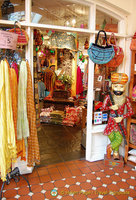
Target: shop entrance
{"type": "Point", "coordinates": [61, 75]}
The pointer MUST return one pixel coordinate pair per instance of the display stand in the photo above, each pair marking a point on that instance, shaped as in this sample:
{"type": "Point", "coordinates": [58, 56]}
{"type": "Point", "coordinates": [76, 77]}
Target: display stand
{"type": "Point", "coordinates": [113, 163]}
{"type": "Point", "coordinates": [15, 174]}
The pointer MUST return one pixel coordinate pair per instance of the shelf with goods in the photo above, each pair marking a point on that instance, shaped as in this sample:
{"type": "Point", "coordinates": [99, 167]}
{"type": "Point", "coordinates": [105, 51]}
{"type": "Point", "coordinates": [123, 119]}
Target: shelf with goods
{"type": "Point", "coordinates": [132, 119]}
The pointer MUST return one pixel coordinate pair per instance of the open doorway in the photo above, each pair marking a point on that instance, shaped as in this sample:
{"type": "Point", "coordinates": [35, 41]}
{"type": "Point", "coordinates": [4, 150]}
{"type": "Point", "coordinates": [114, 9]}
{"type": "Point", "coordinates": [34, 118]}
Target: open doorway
{"type": "Point", "coordinates": [61, 64]}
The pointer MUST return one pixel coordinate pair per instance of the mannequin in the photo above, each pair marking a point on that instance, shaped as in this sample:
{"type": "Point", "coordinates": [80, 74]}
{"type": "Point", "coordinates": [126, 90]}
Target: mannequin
{"type": "Point", "coordinates": [121, 101]}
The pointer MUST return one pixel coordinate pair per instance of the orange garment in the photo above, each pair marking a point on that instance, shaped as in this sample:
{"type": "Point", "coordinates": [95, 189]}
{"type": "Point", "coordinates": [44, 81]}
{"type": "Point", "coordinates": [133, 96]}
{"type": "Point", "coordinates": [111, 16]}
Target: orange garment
{"type": "Point", "coordinates": [33, 146]}
{"type": "Point", "coordinates": [49, 79]}
{"type": "Point", "coordinates": [14, 96]}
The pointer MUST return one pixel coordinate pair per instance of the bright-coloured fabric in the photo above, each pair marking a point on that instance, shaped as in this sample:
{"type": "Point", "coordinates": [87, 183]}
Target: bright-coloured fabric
{"type": "Point", "coordinates": [33, 146]}
{"type": "Point", "coordinates": [112, 125]}
{"type": "Point", "coordinates": [15, 67]}
{"type": "Point", "coordinates": [22, 121]}
{"type": "Point", "coordinates": [21, 152]}
{"type": "Point", "coordinates": [14, 96]}
{"type": "Point", "coordinates": [7, 131]}
{"type": "Point", "coordinates": [116, 140]}
{"type": "Point", "coordinates": [79, 84]}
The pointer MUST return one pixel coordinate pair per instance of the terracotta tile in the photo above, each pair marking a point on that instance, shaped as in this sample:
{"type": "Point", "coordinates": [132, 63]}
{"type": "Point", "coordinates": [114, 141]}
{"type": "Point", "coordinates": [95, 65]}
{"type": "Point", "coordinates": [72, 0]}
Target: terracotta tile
{"type": "Point", "coordinates": [92, 194]}
{"type": "Point", "coordinates": [63, 168]}
{"type": "Point", "coordinates": [22, 183]}
{"type": "Point", "coordinates": [76, 172]}
{"type": "Point", "coordinates": [67, 198]}
{"type": "Point", "coordinates": [70, 162]}
{"type": "Point", "coordinates": [56, 176]}
{"type": "Point", "coordinates": [132, 173]}
{"type": "Point", "coordinates": [23, 191]}
{"type": "Point", "coordinates": [122, 197]}
{"type": "Point", "coordinates": [124, 175]}
{"type": "Point", "coordinates": [60, 164]}
{"type": "Point", "coordinates": [25, 197]}
{"type": "Point", "coordinates": [70, 181]}
{"type": "Point", "coordinates": [66, 174]}
{"type": "Point", "coordinates": [102, 166]}
{"type": "Point", "coordinates": [33, 174]}
{"type": "Point", "coordinates": [86, 186]}
{"type": "Point", "coordinates": [109, 197]}
{"type": "Point", "coordinates": [10, 186]}
{"type": "Point", "coordinates": [10, 193]}
{"type": "Point", "coordinates": [63, 191]}
{"type": "Point", "coordinates": [13, 199]}
{"type": "Point", "coordinates": [74, 188]}
{"type": "Point", "coordinates": [85, 170]}
{"type": "Point", "coordinates": [42, 172]}
{"type": "Point", "coordinates": [131, 182]}
{"type": "Point", "coordinates": [53, 170]}
{"type": "Point", "coordinates": [132, 193]}
{"type": "Point", "coordinates": [38, 196]}
{"type": "Point", "coordinates": [118, 169]}
{"type": "Point", "coordinates": [127, 168]}
{"type": "Point", "coordinates": [106, 180]}
{"type": "Point", "coordinates": [45, 178]}
{"type": "Point", "coordinates": [96, 183]}
{"type": "Point", "coordinates": [72, 166]}
{"type": "Point", "coordinates": [59, 183]}
{"type": "Point", "coordinates": [100, 174]}
{"type": "Point", "coordinates": [50, 166]}
{"type": "Point", "coordinates": [123, 185]}
{"type": "Point", "coordinates": [35, 180]}
{"type": "Point", "coordinates": [80, 196]}
{"type": "Point", "coordinates": [113, 187]}
{"type": "Point", "coordinates": [36, 188]}
{"type": "Point", "coordinates": [94, 168]}
{"type": "Point", "coordinates": [48, 186]}
{"type": "Point", "coordinates": [81, 179]}
{"type": "Point", "coordinates": [90, 176]}
{"type": "Point", "coordinates": [82, 164]}
{"type": "Point", "coordinates": [102, 191]}
{"type": "Point", "coordinates": [115, 178]}
{"type": "Point", "coordinates": [109, 172]}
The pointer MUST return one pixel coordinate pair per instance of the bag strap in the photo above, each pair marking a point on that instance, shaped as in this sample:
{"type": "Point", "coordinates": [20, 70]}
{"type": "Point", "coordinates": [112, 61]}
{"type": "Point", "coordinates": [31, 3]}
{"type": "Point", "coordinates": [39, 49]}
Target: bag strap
{"type": "Point", "coordinates": [104, 36]}
{"type": "Point", "coordinates": [18, 25]}
{"type": "Point", "coordinates": [113, 35]}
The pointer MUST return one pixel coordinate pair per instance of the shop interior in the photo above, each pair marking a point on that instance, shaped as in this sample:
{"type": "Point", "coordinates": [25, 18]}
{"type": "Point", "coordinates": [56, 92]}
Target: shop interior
{"type": "Point", "coordinates": [62, 74]}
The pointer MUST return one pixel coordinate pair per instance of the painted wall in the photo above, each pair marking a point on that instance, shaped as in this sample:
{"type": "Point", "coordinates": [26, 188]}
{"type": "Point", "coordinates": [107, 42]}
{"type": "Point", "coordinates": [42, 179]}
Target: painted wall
{"type": "Point", "coordinates": [128, 6]}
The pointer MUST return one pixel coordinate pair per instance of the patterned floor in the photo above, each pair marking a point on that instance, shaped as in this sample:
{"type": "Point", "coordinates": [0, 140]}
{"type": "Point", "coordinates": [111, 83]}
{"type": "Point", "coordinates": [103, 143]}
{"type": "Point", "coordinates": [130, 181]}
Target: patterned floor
{"type": "Point", "coordinates": [78, 180]}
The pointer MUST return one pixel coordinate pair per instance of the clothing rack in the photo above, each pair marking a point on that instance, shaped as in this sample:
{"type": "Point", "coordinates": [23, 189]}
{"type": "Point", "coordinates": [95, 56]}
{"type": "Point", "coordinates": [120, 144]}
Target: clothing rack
{"type": "Point", "coordinates": [14, 174]}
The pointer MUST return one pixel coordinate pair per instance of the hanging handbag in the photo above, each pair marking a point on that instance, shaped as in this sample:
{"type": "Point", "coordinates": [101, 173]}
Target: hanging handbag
{"type": "Point", "coordinates": [119, 55]}
{"type": "Point", "coordinates": [133, 43]}
{"type": "Point", "coordinates": [101, 54]}
{"type": "Point", "coordinates": [22, 35]}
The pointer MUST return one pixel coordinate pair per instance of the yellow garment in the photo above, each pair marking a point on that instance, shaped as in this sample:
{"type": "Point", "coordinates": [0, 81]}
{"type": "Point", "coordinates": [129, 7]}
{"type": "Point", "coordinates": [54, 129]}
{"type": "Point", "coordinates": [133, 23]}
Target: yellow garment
{"type": "Point", "coordinates": [14, 95]}
{"type": "Point", "coordinates": [7, 132]}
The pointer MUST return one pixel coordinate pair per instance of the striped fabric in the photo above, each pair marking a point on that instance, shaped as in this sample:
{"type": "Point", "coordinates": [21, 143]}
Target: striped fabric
{"type": "Point", "coordinates": [33, 146]}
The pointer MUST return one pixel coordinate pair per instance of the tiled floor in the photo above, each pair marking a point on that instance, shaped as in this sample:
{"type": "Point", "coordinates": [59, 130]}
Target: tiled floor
{"type": "Point", "coordinates": [78, 180]}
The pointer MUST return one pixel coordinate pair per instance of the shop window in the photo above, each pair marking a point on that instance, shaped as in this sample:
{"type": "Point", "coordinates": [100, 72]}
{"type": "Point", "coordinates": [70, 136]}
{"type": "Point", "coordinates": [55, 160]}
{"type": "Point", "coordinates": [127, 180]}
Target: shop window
{"type": "Point", "coordinates": [106, 22]}
{"type": "Point", "coordinates": [12, 10]}
{"type": "Point", "coordinates": [60, 12]}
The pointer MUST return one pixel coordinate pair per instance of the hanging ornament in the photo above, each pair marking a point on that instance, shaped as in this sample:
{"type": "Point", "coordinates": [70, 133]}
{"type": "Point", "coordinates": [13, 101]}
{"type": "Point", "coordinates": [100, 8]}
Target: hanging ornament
{"type": "Point", "coordinates": [86, 44]}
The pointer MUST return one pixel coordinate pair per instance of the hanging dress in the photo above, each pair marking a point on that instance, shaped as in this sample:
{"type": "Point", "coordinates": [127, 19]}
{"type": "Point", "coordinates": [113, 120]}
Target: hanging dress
{"type": "Point", "coordinates": [7, 131]}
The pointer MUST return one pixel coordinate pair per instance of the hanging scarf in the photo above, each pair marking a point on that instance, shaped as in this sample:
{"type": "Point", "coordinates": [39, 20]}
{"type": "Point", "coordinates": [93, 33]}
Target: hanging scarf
{"type": "Point", "coordinates": [14, 95]}
{"type": "Point", "coordinates": [33, 146]}
{"type": "Point", "coordinates": [7, 132]}
{"type": "Point", "coordinates": [22, 121]}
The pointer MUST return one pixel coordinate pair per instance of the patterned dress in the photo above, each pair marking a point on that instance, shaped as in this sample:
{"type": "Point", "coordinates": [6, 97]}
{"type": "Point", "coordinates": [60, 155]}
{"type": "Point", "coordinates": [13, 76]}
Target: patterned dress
{"type": "Point", "coordinates": [112, 125]}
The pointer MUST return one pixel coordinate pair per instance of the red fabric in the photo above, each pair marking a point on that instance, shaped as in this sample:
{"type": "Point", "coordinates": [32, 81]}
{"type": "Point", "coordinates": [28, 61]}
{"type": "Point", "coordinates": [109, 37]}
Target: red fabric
{"type": "Point", "coordinates": [79, 85]}
{"type": "Point", "coordinates": [112, 125]}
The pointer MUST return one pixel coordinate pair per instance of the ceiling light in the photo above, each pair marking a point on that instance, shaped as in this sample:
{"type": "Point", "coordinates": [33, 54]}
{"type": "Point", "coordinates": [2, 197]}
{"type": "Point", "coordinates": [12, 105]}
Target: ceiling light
{"type": "Point", "coordinates": [67, 23]}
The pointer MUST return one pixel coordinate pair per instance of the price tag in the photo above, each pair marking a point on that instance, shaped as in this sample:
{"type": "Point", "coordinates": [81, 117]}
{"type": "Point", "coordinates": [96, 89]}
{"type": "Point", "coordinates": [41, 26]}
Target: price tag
{"type": "Point", "coordinates": [8, 40]}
